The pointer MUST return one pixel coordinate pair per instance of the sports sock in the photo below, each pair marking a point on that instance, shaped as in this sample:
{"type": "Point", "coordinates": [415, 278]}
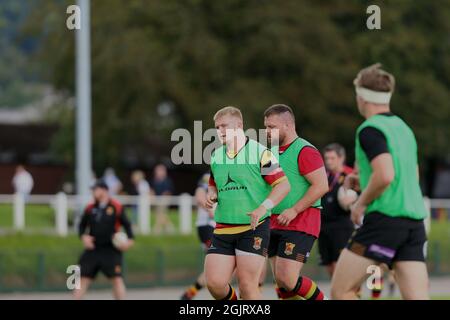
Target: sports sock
{"type": "Point", "coordinates": [231, 294]}
{"type": "Point", "coordinates": [305, 289]}
{"type": "Point", "coordinates": [192, 291]}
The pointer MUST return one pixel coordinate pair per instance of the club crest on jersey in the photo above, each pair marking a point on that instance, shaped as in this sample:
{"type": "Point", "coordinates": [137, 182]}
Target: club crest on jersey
{"type": "Point", "coordinates": [109, 211]}
{"type": "Point", "coordinates": [289, 248]}
{"type": "Point", "coordinates": [257, 243]}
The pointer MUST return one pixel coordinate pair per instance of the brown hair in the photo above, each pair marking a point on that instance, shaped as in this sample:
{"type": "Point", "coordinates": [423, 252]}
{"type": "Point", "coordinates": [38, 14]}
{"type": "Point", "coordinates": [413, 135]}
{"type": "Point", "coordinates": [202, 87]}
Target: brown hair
{"type": "Point", "coordinates": [278, 109]}
{"type": "Point", "coordinates": [336, 147]}
{"type": "Point", "coordinates": [232, 111]}
{"type": "Point", "coordinates": [375, 78]}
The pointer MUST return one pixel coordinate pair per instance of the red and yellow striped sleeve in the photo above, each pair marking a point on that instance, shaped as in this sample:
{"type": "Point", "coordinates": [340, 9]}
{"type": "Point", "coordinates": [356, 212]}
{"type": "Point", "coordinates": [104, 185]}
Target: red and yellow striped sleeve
{"type": "Point", "coordinates": [271, 171]}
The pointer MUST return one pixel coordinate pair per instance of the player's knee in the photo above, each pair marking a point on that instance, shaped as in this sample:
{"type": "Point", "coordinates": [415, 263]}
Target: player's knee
{"type": "Point", "coordinates": [286, 281]}
{"type": "Point", "coordinates": [247, 288]}
{"type": "Point", "coordinates": [216, 284]}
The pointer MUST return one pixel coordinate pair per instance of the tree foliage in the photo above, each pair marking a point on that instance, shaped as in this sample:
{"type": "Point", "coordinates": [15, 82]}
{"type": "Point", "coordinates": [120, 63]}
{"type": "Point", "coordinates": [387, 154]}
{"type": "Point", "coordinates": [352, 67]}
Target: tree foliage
{"type": "Point", "coordinates": [201, 55]}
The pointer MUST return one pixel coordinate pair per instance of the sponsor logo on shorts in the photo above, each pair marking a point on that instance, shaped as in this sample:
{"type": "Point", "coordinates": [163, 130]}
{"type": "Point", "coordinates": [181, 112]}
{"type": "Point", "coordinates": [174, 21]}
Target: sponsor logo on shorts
{"type": "Point", "coordinates": [289, 248]}
{"type": "Point", "coordinates": [257, 243]}
{"type": "Point", "coordinates": [387, 252]}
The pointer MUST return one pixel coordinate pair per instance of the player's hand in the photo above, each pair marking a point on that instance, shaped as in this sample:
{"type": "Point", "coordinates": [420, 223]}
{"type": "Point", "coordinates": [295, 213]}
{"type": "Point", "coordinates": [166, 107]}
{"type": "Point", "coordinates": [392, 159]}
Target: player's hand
{"type": "Point", "coordinates": [88, 241]}
{"type": "Point", "coordinates": [211, 199]}
{"type": "Point", "coordinates": [127, 245]}
{"type": "Point", "coordinates": [287, 216]}
{"type": "Point", "coordinates": [357, 213]}
{"type": "Point", "coordinates": [352, 182]}
{"type": "Point", "coordinates": [255, 215]}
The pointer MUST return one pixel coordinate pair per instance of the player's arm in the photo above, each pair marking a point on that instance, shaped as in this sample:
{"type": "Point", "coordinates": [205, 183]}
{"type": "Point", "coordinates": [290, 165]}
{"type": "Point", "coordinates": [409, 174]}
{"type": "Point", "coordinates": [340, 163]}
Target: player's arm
{"type": "Point", "coordinates": [317, 189]}
{"type": "Point", "coordinates": [200, 199]}
{"type": "Point", "coordinates": [128, 230]}
{"type": "Point", "coordinates": [311, 166]}
{"type": "Point", "coordinates": [273, 175]}
{"type": "Point", "coordinates": [374, 144]}
{"type": "Point", "coordinates": [88, 240]}
{"type": "Point", "coordinates": [211, 196]}
{"type": "Point", "coordinates": [380, 179]}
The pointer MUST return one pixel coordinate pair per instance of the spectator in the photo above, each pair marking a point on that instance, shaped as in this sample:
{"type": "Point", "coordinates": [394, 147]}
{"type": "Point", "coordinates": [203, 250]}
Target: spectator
{"type": "Point", "coordinates": [112, 181]}
{"type": "Point", "coordinates": [162, 186]}
{"type": "Point", "coordinates": [22, 181]}
{"type": "Point", "coordinates": [141, 187]}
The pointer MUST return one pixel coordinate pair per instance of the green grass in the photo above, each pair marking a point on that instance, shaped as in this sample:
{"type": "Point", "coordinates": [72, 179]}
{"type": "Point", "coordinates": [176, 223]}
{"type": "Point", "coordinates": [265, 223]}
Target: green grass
{"type": "Point", "coordinates": [43, 216]}
{"type": "Point", "coordinates": [39, 262]}
{"type": "Point", "coordinates": [35, 216]}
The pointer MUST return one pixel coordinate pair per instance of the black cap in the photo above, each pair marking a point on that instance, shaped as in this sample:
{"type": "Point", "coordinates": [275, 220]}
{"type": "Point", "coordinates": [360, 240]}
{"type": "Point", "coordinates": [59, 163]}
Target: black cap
{"type": "Point", "coordinates": [99, 184]}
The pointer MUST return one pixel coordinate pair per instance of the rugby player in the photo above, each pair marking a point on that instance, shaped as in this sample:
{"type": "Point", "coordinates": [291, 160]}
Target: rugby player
{"type": "Point", "coordinates": [391, 201]}
{"type": "Point", "coordinates": [246, 182]}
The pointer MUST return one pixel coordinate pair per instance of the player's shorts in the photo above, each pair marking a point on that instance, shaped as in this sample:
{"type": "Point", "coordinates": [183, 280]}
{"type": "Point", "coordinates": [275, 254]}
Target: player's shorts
{"type": "Point", "coordinates": [205, 234]}
{"type": "Point", "coordinates": [332, 240]}
{"type": "Point", "coordinates": [387, 240]}
{"type": "Point", "coordinates": [290, 244]}
{"type": "Point", "coordinates": [247, 242]}
{"type": "Point", "coordinates": [107, 260]}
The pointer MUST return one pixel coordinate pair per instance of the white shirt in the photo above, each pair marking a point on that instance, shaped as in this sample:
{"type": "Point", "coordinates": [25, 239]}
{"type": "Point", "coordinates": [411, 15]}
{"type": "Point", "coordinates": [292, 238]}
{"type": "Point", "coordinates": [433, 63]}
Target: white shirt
{"type": "Point", "coordinates": [143, 187]}
{"type": "Point", "coordinates": [23, 183]}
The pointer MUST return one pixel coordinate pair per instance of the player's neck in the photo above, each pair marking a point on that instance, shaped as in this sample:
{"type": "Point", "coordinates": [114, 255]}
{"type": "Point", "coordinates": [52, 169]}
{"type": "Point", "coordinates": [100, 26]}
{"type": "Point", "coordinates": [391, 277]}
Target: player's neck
{"type": "Point", "coordinates": [376, 109]}
{"type": "Point", "coordinates": [289, 139]}
{"type": "Point", "coordinates": [236, 144]}
{"type": "Point", "coordinates": [338, 170]}
{"type": "Point", "coordinates": [103, 202]}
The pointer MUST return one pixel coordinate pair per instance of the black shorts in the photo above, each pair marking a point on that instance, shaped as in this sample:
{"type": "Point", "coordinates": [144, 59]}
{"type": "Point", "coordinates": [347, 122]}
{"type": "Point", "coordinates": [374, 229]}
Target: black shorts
{"type": "Point", "coordinates": [386, 239]}
{"type": "Point", "coordinates": [205, 234]}
{"type": "Point", "coordinates": [107, 260]}
{"type": "Point", "coordinates": [332, 240]}
{"type": "Point", "coordinates": [250, 241]}
{"type": "Point", "coordinates": [289, 244]}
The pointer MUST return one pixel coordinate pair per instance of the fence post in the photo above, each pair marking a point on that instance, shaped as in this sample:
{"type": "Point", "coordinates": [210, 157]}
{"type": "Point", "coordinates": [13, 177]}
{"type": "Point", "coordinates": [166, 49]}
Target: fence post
{"type": "Point", "coordinates": [61, 214]}
{"type": "Point", "coordinates": [19, 211]}
{"type": "Point", "coordinates": [186, 213]}
{"type": "Point", "coordinates": [144, 213]}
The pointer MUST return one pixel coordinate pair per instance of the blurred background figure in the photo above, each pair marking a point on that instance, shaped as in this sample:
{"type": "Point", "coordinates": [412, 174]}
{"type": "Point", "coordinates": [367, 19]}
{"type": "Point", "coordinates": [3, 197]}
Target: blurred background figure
{"type": "Point", "coordinates": [140, 187]}
{"type": "Point", "coordinates": [22, 181]}
{"type": "Point", "coordinates": [112, 181]}
{"type": "Point", "coordinates": [205, 227]}
{"type": "Point", "coordinates": [336, 226]}
{"type": "Point", "coordinates": [162, 185]}
{"type": "Point", "coordinates": [102, 219]}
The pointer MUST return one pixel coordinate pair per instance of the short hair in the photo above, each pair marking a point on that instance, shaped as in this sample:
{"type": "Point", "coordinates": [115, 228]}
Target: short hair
{"type": "Point", "coordinates": [336, 147]}
{"type": "Point", "coordinates": [232, 111]}
{"type": "Point", "coordinates": [375, 78]}
{"type": "Point", "coordinates": [138, 175]}
{"type": "Point", "coordinates": [278, 109]}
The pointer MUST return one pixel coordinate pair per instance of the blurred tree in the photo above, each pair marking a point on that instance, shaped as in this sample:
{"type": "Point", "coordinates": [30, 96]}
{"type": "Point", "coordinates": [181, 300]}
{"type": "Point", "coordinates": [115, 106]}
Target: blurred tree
{"type": "Point", "coordinates": [16, 77]}
{"type": "Point", "coordinates": [199, 55]}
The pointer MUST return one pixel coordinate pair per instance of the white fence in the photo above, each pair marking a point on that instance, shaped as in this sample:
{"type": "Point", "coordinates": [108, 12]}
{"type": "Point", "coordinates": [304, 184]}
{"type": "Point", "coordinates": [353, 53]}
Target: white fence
{"type": "Point", "coordinates": [62, 203]}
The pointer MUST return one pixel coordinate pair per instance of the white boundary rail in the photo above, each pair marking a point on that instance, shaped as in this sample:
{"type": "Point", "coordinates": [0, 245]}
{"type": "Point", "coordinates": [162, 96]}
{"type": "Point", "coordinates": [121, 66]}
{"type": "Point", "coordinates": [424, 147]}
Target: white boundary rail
{"type": "Point", "coordinates": [61, 203]}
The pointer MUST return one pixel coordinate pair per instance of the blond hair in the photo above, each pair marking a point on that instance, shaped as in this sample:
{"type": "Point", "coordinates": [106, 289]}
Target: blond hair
{"type": "Point", "coordinates": [375, 78]}
{"type": "Point", "coordinates": [232, 111]}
